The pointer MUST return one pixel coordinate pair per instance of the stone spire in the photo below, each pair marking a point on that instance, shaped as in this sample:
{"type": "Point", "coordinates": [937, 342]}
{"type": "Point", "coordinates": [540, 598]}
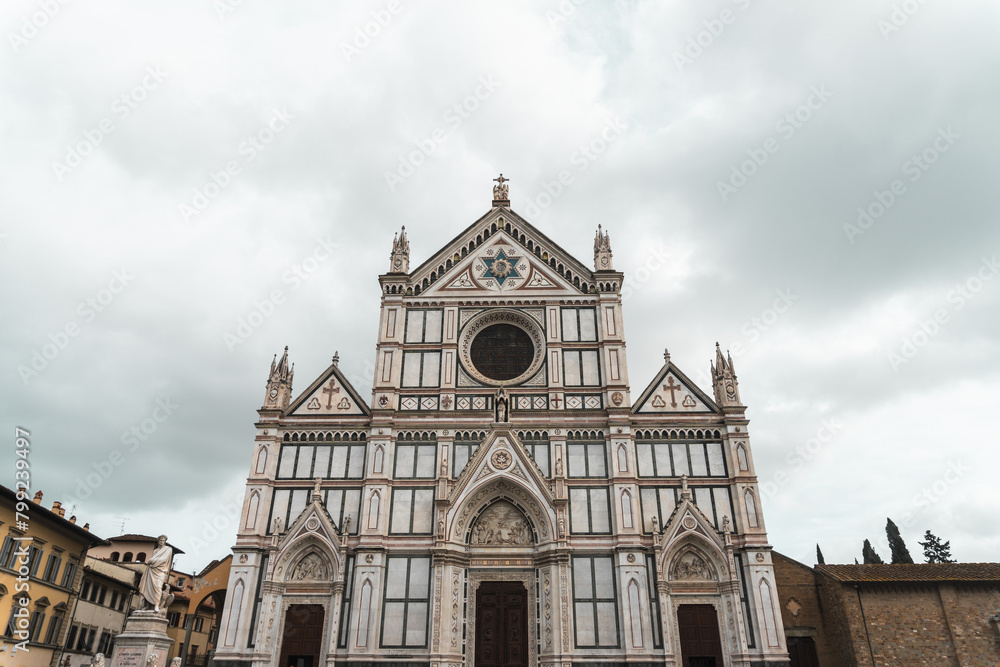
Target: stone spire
{"type": "Point", "coordinates": [727, 388]}
{"type": "Point", "coordinates": [399, 259]}
{"type": "Point", "coordinates": [279, 383]}
{"type": "Point", "coordinates": [602, 251]}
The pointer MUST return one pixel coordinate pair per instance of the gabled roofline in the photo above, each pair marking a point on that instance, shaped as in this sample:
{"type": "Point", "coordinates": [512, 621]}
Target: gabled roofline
{"type": "Point", "coordinates": [446, 251]}
{"type": "Point", "coordinates": [662, 373]}
{"type": "Point", "coordinates": [334, 370]}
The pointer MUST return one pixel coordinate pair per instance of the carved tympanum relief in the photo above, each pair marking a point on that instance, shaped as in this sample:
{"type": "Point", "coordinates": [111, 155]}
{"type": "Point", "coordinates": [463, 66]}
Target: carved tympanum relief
{"type": "Point", "coordinates": [501, 524]}
{"type": "Point", "coordinates": [311, 567]}
{"type": "Point", "coordinates": [691, 566]}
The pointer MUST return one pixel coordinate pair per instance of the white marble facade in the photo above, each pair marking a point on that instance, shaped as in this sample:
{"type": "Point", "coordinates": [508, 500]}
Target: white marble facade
{"type": "Point", "coordinates": [615, 512]}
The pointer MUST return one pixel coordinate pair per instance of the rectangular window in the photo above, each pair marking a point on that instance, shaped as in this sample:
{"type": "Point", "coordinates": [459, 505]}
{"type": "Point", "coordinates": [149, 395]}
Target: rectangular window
{"type": "Point", "coordinates": [462, 451]}
{"type": "Point", "coordinates": [579, 324]}
{"type": "Point", "coordinates": [421, 369]}
{"type": "Point", "coordinates": [407, 598]}
{"type": "Point", "coordinates": [72, 636]}
{"type": "Point", "coordinates": [594, 606]}
{"type": "Point", "coordinates": [539, 451]}
{"type": "Point", "coordinates": [52, 568]}
{"type": "Point", "coordinates": [344, 504]}
{"type": "Point", "coordinates": [423, 326]}
{"type": "Point", "coordinates": [581, 368]}
{"type": "Point", "coordinates": [589, 511]}
{"type": "Point", "coordinates": [199, 624]}
{"type": "Point", "coordinates": [103, 595]}
{"type": "Point", "coordinates": [104, 642]}
{"type": "Point", "coordinates": [412, 511]}
{"type": "Point", "coordinates": [345, 610]}
{"type": "Point", "coordinates": [337, 461]}
{"type": "Point", "coordinates": [34, 559]}
{"type": "Point", "coordinates": [69, 574]}
{"type": "Point", "coordinates": [173, 619]}
{"type": "Point", "coordinates": [587, 459]}
{"type": "Point", "coordinates": [658, 502]}
{"type": "Point", "coordinates": [7, 552]}
{"type": "Point", "coordinates": [85, 590]}
{"type": "Point", "coordinates": [415, 461]}
{"type": "Point", "coordinates": [35, 624]}
{"type": "Point", "coordinates": [52, 636]}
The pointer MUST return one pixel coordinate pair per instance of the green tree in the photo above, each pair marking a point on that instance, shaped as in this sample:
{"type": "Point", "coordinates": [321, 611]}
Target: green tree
{"type": "Point", "coordinates": [936, 551]}
{"type": "Point", "coordinates": [868, 554]}
{"type": "Point", "coordinates": [900, 554]}
{"type": "Point", "coordinates": [819, 556]}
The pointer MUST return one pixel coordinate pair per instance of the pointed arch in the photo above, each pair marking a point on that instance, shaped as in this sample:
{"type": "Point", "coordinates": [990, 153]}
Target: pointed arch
{"type": "Point", "coordinates": [261, 460]}
{"type": "Point", "coordinates": [741, 457]}
{"type": "Point", "coordinates": [753, 519]}
{"type": "Point", "coordinates": [374, 508]}
{"type": "Point", "coordinates": [634, 612]}
{"type": "Point", "coordinates": [253, 507]}
{"type": "Point", "coordinates": [626, 503]}
{"type": "Point", "coordinates": [235, 602]}
{"type": "Point", "coordinates": [479, 497]}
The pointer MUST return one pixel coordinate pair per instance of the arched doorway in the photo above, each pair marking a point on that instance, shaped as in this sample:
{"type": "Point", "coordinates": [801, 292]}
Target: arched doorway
{"type": "Point", "coordinates": [502, 586]}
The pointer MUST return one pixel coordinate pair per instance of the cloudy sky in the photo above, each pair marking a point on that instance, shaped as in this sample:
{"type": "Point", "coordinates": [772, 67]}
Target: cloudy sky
{"type": "Point", "coordinates": [813, 185]}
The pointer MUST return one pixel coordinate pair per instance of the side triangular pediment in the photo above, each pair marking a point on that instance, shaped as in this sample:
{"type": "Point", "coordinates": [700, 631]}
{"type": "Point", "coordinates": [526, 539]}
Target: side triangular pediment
{"type": "Point", "coordinates": [501, 266]}
{"type": "Point", "coordinates": [330, 394]}
{"type": "Point", "coordinates": [461, 264]}
{"type": "Point", "coordinates": [671, 391]}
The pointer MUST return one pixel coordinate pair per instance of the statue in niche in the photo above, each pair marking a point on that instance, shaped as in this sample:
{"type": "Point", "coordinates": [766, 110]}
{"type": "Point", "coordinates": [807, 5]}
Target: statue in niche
{"type": "Point", "coordinates": [502, 405]}
{"type": "Point", "coordinates": [501, 525]}
{"type": "Point", "coordinates": [691, 566]}
{"type": "Point", "coordinates": [310, 567]}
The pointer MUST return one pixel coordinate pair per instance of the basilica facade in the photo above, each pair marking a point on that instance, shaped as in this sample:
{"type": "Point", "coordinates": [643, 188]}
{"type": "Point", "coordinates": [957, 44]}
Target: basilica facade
{"type": "Point", "coordinates": [503, 498]}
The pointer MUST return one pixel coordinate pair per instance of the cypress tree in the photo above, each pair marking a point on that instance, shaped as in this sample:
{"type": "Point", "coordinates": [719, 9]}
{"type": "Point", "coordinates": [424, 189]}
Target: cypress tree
{"type": "Point", "coordinates": [819, 556]}
{"type": "Point", "coordinates": [869, 555]}
{"type": "Point", "coordinates": [900, 554]}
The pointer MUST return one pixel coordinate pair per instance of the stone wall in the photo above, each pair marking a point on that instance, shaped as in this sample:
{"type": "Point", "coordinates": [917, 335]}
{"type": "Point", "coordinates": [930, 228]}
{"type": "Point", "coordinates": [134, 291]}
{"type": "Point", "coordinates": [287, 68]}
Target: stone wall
{"type": "Point", "coordinates": [801, 610]}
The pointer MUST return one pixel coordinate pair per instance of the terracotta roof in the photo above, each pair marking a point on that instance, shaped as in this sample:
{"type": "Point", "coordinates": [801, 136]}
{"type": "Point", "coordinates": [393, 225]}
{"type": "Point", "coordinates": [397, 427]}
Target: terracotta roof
{"type": "Point", "coordinates": [134, 537]}
{"type": "Point", "coordinates": [62, 522]}
{"type": "Point", "coordinates": [875, 573]}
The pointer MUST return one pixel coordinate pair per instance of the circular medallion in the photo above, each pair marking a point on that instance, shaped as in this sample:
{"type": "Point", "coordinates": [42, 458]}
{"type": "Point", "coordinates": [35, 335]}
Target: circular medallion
{"type": "Point", "coordinates": [501, 459]}
{"type": "Point", "coordinates": [243, 558]}
{"type": "Point", "coordinates": [502, 347]}
{"type": "Point", "coordinates": [617, 398]}
{"type": "Point", "coordinates": [312, 524]}
{"type": "Point", "coordinates": [369, 558]}
{"type": "Point", "coordinates": [689, 523]}
{"type": "Point", "coordinates": [759, 557]}
{"type": "Point", "coordinates": [273, 393]}
{"type": "Point", "coordinates": [630, 558]}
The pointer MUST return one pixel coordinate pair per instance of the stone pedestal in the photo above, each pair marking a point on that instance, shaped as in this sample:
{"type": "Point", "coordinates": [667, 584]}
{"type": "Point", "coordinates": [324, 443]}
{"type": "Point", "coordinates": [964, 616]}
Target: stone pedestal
{"type": "Point", "coordinates": [143, 642]}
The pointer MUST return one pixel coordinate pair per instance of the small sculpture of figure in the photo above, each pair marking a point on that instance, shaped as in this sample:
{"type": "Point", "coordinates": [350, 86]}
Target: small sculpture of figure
{"type": "Point", "coordinates": [152, 659]}
{"type": "Point", "coordinates": [725, 524]}
{"type": "Point", "coordinates": [98, 660]}
{"type": "Point", "coordinates": [277, 525]}
{"type": "Point", "coordinates": [502, 403]}
{"type": "Point", "coordinates": [166, 597]}
{"type": "Point", "coordinates": [176, 662]}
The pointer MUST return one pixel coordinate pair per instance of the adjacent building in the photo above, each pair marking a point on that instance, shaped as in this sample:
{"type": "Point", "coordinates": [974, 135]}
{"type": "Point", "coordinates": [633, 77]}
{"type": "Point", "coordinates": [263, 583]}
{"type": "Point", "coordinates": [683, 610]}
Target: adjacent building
{"type": "Point", "coordinates": [108, 592]}
{"type": "Point", "coordinates": [504, 498]}
{"type": "Point", "coordinates": [41, 567]}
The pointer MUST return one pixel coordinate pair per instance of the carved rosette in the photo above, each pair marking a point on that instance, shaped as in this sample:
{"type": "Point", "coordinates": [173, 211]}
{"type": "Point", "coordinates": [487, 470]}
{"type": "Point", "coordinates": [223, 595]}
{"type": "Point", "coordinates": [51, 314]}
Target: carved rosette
{"type": "Point", "coordinates": [501, 316]}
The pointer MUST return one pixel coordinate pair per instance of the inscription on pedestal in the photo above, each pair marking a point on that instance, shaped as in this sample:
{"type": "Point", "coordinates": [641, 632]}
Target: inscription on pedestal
{"type": "Point", "coordinates": [129, 657]}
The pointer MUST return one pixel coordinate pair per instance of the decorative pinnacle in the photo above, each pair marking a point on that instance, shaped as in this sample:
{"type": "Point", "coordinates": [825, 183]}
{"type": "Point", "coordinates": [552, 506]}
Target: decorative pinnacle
{"type": "Point", "coordinates": [666, 355]}
{"type": "Point", "coordinates": [336, 357]}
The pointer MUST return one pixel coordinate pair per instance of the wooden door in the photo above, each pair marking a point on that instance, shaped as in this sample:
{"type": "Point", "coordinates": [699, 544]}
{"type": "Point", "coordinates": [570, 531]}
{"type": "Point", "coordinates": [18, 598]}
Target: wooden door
{"type": "Point", "coordinates": [302, 639]}
{"type": "Point", "coordinates": [699, 629]}
{"type": "Point", "coordinates": [501, 624]}
{"type": "Point", "coordinates": [802, 652]}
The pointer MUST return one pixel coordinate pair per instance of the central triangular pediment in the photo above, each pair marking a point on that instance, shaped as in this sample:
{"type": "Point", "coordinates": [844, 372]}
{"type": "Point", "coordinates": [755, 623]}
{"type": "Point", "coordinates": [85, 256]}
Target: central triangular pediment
{"type": "Point", "coordinates": [500, 456]}
{"type": "Point", "coordinates": [500, 266]}
{"type": "Point", "coordinates": [501, 253]}
{"type": "Point", "coordinates": [671, 391]}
